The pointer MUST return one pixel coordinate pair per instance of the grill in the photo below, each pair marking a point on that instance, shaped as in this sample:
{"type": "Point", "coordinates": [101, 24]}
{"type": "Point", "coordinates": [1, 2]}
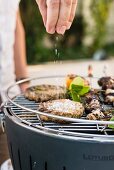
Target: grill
{"type": "Point", "coordinates": [37, 145]}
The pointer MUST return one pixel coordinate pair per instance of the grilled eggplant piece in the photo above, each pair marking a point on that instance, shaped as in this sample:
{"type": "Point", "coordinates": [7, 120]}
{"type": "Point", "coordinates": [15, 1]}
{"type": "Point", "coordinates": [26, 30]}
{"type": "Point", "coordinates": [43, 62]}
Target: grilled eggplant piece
{"type": "Point", "coordinates": [100, 115]}
{"type": "Point", "coordinates": [93, 105]}
{"type": "Point", "coordinates": [61, 107]}
{"type": "Point", "coordinates": [109, 96]}
{"type": "Point", "coordinates": [109, 99]}
{"type": "Point", "coordinates": [93, 94]}
{"type": "Point", "coordinates": [108, 114]}
{"type": "Point", "coordinates": [92, 101]}
{"type": "Point", "coordinates": [96, 115]}
{"type": "Point", "coordinates": [109, 92]}
{"type": "Point", "coordinates": [106, 83]}
{"type": "Point", "coordinates": [42, 93]}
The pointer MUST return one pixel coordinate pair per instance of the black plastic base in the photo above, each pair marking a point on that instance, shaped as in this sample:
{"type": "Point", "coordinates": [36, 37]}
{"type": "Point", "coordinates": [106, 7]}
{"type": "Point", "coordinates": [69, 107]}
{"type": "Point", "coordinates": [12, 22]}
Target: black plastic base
{"type": "Point", "coordinates": [32, 150]}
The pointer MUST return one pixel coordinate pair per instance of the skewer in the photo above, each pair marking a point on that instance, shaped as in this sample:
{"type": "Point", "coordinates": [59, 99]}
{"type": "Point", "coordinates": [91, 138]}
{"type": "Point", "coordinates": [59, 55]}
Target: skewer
{"type": "Point", "coordinates": [90, 73]}
{"type": "Point", "coordinates": [105, 70]}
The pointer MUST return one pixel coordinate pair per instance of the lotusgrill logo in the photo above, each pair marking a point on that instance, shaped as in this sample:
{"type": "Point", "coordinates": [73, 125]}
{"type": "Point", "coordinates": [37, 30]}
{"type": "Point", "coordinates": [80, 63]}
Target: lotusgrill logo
{"type": "Point", "coordinates": [98, 157]}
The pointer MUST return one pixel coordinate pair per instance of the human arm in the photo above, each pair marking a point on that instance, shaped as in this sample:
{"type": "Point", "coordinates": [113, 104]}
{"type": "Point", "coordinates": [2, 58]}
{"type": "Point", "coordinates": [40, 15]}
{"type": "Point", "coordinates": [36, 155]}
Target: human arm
{"type": "Point", "coordinates": [20, 53]}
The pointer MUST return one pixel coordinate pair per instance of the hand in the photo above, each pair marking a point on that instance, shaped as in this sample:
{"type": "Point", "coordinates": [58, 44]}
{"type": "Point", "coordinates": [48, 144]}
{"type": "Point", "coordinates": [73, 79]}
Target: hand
{"type": "Point", "coordinates": [57, 15]}
{"type": "Point", "coordinates": [24, 86]}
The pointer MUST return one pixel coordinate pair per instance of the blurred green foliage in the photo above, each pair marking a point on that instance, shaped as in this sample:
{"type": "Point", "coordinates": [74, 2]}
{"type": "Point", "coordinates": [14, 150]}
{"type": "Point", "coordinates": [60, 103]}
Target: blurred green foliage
{"type": "Point", "coordinates": [100, 11]}
{"type": "Point", "coordinates": [35, 32]}
{"type": "Point", "coordinates": [40, 45]}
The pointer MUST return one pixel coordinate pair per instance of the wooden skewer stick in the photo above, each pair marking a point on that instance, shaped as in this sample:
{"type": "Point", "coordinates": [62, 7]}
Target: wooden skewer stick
{"type": "Point", "coordinates": [90, 71]}
{"type": "Point", "coordinates": [105, 70]}
{"type": "Point", "coordinates": [90, 74]}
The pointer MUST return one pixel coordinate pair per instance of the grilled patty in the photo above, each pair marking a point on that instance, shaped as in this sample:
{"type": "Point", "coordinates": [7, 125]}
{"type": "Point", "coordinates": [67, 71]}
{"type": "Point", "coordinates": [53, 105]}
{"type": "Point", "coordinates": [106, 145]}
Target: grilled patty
{"type": "Point", "coordinates": [61, 107]}
{"type": "Point", "coordinates": [41, 93]}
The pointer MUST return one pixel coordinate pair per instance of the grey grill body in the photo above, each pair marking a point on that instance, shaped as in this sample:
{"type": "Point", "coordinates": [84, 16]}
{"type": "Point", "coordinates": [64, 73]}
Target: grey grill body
{"type": "Point", "coordinates": [37, 145]}
{"type": "Point", "coordinates": [32, 149]}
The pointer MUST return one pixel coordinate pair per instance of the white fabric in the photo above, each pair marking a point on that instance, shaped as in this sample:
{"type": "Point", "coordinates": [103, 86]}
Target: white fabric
{"type": "Point", "coordinates": [7, 165]}
{"type": "Point", "coordinates": [8, 11]}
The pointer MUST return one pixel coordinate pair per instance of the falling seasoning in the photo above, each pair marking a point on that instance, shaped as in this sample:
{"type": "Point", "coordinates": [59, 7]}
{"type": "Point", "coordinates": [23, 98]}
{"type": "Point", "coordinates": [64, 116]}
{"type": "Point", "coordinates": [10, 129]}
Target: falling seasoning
{"type": "Point", "coordinates": [56, 49]}
{"type": "Point", "coordinates": [57, 60]}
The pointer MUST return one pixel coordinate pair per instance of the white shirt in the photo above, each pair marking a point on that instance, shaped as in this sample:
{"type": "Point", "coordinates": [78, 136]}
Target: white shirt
{"type": "Point", "coordinates": [8, 11]}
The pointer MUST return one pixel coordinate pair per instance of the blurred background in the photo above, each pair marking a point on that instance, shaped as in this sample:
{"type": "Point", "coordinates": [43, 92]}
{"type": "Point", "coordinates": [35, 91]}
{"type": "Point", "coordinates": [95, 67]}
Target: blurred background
{"type": "Point", "coordinates": [90, 37]}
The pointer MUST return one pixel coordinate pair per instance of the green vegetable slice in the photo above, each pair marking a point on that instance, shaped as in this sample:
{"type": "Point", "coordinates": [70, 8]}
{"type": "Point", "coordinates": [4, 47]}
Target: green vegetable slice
{"type": "Point", "coordinates": [77, 89]}
{"type": "Point", "coordinates": [77, 81]}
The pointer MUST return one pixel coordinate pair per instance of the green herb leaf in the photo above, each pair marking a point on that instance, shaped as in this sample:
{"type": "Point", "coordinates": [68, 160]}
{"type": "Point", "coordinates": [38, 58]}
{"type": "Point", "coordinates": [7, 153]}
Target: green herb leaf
{"type": "Point", "coordinates": [111, 126]}
{"type": "Point", "coordinates": [84, 90]}
{"type": "Point", "coordinates": [78, 89]}
{"type": "Point", "coordinates": [75, 97]}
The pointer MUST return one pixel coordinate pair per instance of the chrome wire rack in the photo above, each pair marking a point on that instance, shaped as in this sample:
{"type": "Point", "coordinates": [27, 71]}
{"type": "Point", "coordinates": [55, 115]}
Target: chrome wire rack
{"type": "Point", "coordinates": [27, 112]}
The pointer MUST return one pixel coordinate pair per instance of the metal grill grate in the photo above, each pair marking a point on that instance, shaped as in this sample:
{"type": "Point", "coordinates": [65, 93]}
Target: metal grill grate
{"type": "Point", "coordinates": [73, 129]}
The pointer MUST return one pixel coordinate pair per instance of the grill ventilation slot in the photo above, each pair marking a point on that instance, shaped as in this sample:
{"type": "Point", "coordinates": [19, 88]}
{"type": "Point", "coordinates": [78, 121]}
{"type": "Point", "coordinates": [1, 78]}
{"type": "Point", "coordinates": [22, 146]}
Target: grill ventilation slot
{"type": "Point", "coordinates": [30, 159]}
{"type": "Point", "coordinates": [46, 166]}
{"type": "Point", "coordinates": [11, 151]}
{"type": "Point", "coordinates": [64, 168]}
{"type": "Point", "coordinates": [19, 157]}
